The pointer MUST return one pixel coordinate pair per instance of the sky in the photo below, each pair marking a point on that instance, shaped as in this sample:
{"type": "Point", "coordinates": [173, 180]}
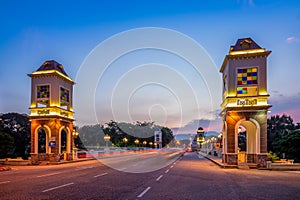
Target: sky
{"type": "Point", "coordinates": [147, 83]}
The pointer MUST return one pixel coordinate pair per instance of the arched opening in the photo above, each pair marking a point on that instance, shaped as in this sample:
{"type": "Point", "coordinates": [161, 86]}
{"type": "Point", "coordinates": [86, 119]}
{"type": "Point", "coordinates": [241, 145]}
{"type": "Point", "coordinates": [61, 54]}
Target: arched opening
{"type": "Point", "coordinates": [247, 141]}
{"type": "Point", "coordinates": [63, 141]}
{"type": "Point", "coordinates": [242, 139]}
{"type": "Point", "coordinates": [42, 141]}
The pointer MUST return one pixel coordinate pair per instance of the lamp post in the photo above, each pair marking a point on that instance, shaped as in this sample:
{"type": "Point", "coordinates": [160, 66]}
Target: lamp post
{"type": "Point", "coordinates": [136, 141]}
{"type": "Point", "coordinates": [144, 143]}
{"type": "Point", "coordinates": [74, 150]}
{"type": "Point", "coordinates": [106, 139]}
{"type": "Point", "coordinates": [125, 140]}
{"type": "Point", "coordinates": [151, 143]}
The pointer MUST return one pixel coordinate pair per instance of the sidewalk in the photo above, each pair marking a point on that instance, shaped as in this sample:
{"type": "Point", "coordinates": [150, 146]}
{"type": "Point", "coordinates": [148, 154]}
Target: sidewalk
{"type": "Point", "coordinates": [70, 161]}
{"type": "Point", "coordinates": [216, 160]}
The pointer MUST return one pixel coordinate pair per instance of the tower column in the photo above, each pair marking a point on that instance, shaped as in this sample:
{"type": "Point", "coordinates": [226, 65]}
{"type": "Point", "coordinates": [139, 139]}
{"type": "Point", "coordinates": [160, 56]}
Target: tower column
{"type": "Point", "coordinates": [51, 111]}
{"type": "Point", "coordinates": [245, 104]}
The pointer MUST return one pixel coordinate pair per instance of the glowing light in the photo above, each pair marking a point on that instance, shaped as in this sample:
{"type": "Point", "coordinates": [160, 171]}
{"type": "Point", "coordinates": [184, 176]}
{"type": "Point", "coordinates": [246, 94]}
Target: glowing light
{"type": "Point", "coordinates": [52, 72]}
{"type": "Point", "coordinates": [249, 51]}
{"type": "Point", "coordinates": [51, 111]}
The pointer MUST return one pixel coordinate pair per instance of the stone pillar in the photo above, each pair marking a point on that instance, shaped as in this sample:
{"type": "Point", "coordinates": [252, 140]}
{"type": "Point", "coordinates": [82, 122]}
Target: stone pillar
{"type": "Point", "coordinates": [54, 158]}
{"type": "Point", "coordinates": [34, 158]}
{"type": "Point", "coordinates": [231, 159]}
{"type": "Point", "coordinates": [68, 156]}
{"type": "Point", "coordinates": [262, 160]}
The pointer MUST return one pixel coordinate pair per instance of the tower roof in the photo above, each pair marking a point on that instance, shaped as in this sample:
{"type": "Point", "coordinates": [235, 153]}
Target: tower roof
{"type": "Point", "coordinates": [52, 65]}
{"type": "Point", "coordinates": [244, 44]}
{"type": "Point", "coordinates": [244, 48]}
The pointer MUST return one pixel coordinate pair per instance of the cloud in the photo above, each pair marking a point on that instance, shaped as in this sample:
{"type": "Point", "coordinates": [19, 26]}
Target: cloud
{"type": "Point", "coordinates": [288, 105]}
{"type": "Point", "coordinates": [292, 40]}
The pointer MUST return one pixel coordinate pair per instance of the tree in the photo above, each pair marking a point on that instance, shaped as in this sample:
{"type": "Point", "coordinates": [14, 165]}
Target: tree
{"type": "Point", "coordinates": [6, 145]}
{"type": "Point", "coordinates": [284, 137]}
{"type": "Point", "coordinates": [278, 126]}
{"type": "Point", "coordinates": [143, 131]}
{"type": "Point", "coordinates": [167, 136]}
{"type": "Point", "coordinates": [17, 125]}
{"type": "Point", "coordinates": [91, 135]}
{"type": "Point", "coordinates": [289, 144]}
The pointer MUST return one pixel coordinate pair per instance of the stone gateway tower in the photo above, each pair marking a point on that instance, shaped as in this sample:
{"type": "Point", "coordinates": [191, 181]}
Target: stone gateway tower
{"type": "Point", "coordinates": [51, 113]}
{"type": "Point", "coordinates": [245, 104]}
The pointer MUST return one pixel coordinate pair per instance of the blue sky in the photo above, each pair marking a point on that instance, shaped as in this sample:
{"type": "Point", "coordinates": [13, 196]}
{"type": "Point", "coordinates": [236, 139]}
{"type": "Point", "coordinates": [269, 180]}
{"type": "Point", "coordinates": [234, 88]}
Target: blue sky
{"type": "Point", "coordinates": [67, 31]}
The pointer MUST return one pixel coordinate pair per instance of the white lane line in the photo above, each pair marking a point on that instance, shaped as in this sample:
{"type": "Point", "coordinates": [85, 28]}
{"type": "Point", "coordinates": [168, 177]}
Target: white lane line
{"type": "Point", "coordinates": [4, 182]}
{"type": "Point", "coordinates": [86, 167]}
{"type": "Point", "coordinates": [103, 174]}
{"type": "Point", "coordinates": [159, 177]}
{"type": "Point", "coordinates": [144, 192]}
{"type": "Point", "coordinates": [49, 174]}
{"type": "Point", "coordinates": [172, 166]}
{"type": "Point", "coordinates": [167, 171]}
{"type": "Point", "coordinates": [57, 187]}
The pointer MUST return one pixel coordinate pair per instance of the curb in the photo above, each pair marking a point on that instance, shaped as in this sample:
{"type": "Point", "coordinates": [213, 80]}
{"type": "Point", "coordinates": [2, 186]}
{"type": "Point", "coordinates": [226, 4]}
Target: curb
{"type": "Point", "coordinates": [71, 161]}
{"type": "Point", "coordinates": [218, 163]}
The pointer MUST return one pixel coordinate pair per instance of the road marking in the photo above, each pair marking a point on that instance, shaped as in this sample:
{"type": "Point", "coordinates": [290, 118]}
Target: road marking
{"type": "Point", "coordinates": [167, 171]}
{"type": "Point", "coordinates": [57, 187]}
{"type": "Point", "coordinates": [122, 169]}
{"type": "Point", "coordinates": [144, 192]}
{"type": "Point", "coordinates": [4, 182]}
{"type": "Point", "coordinates": [86, 167]}
{"type": "Point", "coordinates": [100, 175]}
{"type": "Point", "coordinates": [159, 177]}
{"type": "Point", "coordinates": [172, 166]}
{"type": "Point", "coordinates": [49, 174]}
{"type": "Point", "coordinates": [297, 172]}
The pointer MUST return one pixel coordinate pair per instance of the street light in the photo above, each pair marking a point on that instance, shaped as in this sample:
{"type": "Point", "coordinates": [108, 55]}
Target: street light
{"type": "Point", "coordinates": [136, 142]}
{"type": "Point", "coordinates": [125, 140]}
{"type": "Point", "coordinates": [145, 143]}
{"type": "Point", "coordinates": [151, 143]}
{"type": "Point", "coordinates": [106, 139]}
{"type": "Point", "coordinates": [74, 149]}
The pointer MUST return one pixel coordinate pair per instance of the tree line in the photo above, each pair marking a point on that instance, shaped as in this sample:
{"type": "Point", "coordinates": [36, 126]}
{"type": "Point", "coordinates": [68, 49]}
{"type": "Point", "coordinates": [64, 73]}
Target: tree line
{"type": "Point", "coordinates": [15, 135]}
{"type": "Point", "coordinates": [283, 135]}
{"type": "Point", "coordinates": [93, 135]}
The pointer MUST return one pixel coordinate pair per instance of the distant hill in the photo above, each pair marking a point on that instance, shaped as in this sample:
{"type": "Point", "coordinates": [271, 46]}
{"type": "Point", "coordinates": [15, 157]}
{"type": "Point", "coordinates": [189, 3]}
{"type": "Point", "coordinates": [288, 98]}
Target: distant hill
{"type": "Point", "coordinates": [211, 133]}
{"type": "Point", "coordinates": [188, 136]}
{"type": "Point", "coordinates": [184, 136]}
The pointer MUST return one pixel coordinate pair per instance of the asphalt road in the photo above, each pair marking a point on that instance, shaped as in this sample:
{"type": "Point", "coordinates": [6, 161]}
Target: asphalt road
{"type": "Point", "coordinates": [186, 177]}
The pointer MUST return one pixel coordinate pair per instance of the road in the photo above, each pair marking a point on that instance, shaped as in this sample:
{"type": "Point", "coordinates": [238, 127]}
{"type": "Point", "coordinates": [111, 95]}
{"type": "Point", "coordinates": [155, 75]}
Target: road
{"type": "Point", "coordinates": [184, 177]}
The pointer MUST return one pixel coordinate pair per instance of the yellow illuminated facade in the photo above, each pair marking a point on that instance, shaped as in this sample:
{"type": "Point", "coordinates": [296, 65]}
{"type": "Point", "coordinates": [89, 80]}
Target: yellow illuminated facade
{"type": "Point", "coordinates": [51, 110]}
{"type": "Point", "coordinates": [245, 102]}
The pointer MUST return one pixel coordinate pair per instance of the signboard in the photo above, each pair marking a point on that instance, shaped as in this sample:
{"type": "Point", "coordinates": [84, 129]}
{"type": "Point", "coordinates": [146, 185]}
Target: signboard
{"type": "Point", "coordinates": [246, 102]}
{"type": "Point", "coordinates": [158, 138]}
{"type": "Point", "coordinates": [52, 144]}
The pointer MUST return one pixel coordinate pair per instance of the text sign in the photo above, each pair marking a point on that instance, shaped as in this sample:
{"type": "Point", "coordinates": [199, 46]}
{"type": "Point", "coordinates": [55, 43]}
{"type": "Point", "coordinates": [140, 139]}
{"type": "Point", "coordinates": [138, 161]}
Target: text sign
{"type": "Point", "coordinates": [246, 102]}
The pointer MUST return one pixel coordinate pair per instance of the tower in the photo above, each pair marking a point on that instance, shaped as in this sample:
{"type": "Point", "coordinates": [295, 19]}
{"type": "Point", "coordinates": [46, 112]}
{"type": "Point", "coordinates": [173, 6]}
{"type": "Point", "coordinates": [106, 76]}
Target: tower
{"type": "Point", "coordinates": [245, 104]}
{"type": "Point", "coordinates": [51, 113]}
